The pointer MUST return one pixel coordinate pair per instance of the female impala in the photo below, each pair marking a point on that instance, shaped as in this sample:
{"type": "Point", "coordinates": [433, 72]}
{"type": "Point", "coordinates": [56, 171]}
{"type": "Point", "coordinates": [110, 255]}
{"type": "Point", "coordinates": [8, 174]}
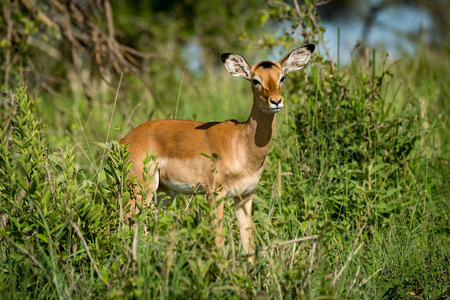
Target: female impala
{"type": "Point", "coordinates": [241, 147]}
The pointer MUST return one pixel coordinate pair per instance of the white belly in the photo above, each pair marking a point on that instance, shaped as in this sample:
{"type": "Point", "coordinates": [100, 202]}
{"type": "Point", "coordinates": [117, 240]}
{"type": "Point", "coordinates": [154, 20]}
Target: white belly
{"type": "Point", "coordinates": [240, 191]}
{"type": "Point", "coordinates": [181, 187]}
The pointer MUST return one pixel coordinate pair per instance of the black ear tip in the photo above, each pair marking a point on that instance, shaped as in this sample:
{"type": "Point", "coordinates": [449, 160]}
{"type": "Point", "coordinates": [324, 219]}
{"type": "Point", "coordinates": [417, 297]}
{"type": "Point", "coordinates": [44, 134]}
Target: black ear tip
{"type": "Point", "coordinates": [224, 56]}
{"type": "Point", "coordinates": [310, 47]}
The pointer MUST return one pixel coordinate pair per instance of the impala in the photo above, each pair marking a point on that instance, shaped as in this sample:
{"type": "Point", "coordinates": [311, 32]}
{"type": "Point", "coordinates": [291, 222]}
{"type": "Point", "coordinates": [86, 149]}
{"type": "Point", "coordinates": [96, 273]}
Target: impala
{"type": "Point", "coordinates": [240, 148]}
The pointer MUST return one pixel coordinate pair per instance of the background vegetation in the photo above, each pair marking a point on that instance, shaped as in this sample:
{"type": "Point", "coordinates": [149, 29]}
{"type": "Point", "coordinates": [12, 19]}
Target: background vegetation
{"type": "Point", "coordinates": [360, 157]}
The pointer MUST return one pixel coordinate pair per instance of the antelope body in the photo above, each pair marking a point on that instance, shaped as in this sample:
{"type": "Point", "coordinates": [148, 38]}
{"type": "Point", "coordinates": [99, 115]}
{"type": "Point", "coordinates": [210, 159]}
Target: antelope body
{"type": "Point", "coordinates": [180, 145]}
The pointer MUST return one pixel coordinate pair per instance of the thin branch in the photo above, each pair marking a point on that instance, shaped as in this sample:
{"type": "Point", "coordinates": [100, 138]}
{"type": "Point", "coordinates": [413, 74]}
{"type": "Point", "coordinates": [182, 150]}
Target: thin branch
{"type": "Point", "coordinates": [40, 15]}
{"type": "Point", "coordinates": [109, 20]}
{"type": "Point", "coordinates": [323, 2]}
{"type": "Point", "coordinates": [9, 25]}
{"type": "Point", "coordinates": [297, 9]}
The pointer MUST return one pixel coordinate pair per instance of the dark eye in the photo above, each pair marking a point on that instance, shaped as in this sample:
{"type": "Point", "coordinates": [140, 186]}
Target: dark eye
{"type": "Point", "coordinates": [256, 82]}
{"type": "Point", "coordinates": [282, 79]}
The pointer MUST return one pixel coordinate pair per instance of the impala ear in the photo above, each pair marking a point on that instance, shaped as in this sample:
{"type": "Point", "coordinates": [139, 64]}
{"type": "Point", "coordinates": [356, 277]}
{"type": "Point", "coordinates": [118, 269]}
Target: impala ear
{"type": "Point", "coordinates": [236, 65]}
{"type": "Point", "coordinates": [297, 58]}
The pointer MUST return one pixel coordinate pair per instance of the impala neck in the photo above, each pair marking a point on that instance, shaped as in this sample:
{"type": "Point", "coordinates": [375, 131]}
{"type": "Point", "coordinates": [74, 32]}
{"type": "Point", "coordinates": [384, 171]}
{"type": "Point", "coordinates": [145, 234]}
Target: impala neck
{"type": "Point", "coordinates": [259, 132]}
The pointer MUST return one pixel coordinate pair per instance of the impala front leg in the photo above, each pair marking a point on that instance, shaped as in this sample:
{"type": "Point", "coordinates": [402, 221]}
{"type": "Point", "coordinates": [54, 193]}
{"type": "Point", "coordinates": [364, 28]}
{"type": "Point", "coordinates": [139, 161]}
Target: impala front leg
{"type": "Point", "coordinates": [152, 186]}
{"type": "Point", "coordinates": [243, 207]}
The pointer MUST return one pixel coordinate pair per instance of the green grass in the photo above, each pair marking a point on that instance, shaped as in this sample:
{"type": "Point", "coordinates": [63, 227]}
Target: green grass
{"type": "Point", "coordinates": [354, 160]}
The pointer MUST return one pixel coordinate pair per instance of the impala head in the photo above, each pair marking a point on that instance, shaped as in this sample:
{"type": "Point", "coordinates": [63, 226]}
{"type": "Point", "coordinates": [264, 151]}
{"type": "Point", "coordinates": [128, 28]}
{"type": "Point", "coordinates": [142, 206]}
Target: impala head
{"type": "Point", "coordinates": [267, 77]}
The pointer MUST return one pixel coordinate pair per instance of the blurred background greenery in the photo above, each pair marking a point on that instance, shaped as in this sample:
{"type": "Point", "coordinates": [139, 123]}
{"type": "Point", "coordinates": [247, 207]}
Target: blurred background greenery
{"type": "Point", "coordinates": [79, 49]}
{"type": "Point", "coordinates": [169, 50]}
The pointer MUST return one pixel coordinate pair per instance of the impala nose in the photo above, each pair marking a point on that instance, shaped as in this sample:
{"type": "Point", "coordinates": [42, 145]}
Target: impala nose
{"type": "Point", "coordinates": [275, 102]}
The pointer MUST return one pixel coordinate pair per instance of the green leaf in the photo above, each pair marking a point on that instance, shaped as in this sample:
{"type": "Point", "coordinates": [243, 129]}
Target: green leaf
{"type": "Point", "coordinates": [105, 276]}
{"type": "Point", "coordinates": [22, 184]}
{"type": "Point", "coordinates": [43, 237]}
{"type": "Point", "coordinates": [359, 174]}
{"type": "Point", "coordinates": [53, 215]}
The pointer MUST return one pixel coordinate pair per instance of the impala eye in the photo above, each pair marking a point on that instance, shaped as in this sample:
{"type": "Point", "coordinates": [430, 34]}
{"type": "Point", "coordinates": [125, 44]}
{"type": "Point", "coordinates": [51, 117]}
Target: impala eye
{"type": "Point", "coordinates": [282, 79]}
{"type": "Point", "coordinates": [256, 82]}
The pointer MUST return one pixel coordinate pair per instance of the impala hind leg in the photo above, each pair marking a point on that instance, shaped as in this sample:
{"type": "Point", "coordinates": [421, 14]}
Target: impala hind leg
{"type": "Point", "coordinates": [218, 202]}
{"type": "Point", "coordinates": [150, 187]}
{"type": "Point", "coordinates": [218, 221]}
{"type": "Point", "coordinates": [243, 206]}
